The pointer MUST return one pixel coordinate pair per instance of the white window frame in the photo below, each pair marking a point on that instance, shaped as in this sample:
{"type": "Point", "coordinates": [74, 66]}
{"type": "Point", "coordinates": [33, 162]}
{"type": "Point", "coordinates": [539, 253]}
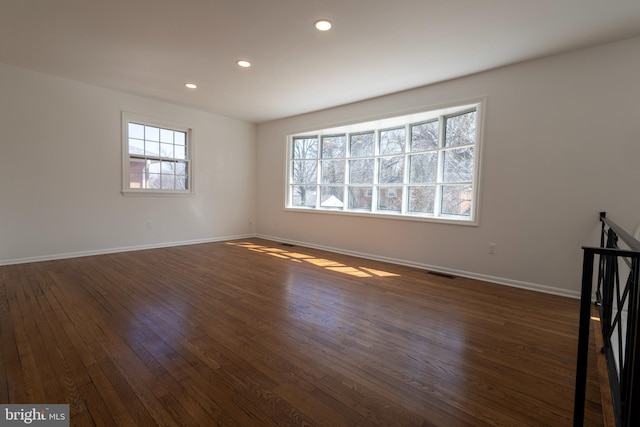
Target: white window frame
{"type": "Point", "coordinates": [127, 190]}
{"type": "Point", "coordinates": [381, 124]}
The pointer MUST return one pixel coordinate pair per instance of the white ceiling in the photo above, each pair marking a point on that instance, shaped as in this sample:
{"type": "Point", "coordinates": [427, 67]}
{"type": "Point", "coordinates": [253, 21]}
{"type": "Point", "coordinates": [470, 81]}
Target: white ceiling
{"type": "Point", "coordinates": [376, 47]}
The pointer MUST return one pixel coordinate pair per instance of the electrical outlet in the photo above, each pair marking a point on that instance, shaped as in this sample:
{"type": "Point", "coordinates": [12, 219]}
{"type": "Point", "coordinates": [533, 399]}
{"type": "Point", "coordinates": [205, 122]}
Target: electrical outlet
{"type": "Point", "coordinates": [149, 225]}
{"type": "Point", "coordinates": [492, 248]}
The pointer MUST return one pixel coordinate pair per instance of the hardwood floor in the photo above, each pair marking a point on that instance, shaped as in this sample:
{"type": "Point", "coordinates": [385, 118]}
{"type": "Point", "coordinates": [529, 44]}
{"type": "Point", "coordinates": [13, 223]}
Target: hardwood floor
{"type": "Point", "coordinates": [256, 333]}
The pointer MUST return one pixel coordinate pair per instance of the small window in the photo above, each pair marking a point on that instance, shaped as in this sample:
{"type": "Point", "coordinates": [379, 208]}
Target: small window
{"type": "Point", "coordinates": [157, 156]}
{"type": "Point", "coordinates": [423, 166]}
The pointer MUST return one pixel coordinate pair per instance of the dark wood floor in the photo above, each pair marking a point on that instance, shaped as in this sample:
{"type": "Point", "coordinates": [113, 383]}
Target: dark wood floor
{"type": "Point", "coordinates": [255, 333]}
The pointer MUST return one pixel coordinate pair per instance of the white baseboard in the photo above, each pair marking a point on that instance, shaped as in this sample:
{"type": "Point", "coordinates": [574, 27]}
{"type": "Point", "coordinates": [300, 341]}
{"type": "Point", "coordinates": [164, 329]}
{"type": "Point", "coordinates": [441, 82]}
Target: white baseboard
{"type": "Point", "coordinates": [434, 268]}
{"type": "Point", "coordinates": [53, 257]}
{"type": "Point", "coordinates": [471, 275]}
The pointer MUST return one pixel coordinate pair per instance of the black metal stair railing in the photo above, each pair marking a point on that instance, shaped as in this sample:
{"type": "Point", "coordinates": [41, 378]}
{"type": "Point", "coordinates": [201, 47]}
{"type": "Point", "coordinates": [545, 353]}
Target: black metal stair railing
{"type": "Point", "coordinates": [618, 303]}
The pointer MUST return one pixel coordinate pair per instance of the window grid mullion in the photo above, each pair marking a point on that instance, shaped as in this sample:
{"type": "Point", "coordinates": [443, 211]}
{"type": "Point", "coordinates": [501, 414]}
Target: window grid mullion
{"type": "Point", "coordinates": [463, 163]}
{"type": "Point", "coordinates": [375, 185]}
{"type": "Point", "coordinates": [347, 172]}
{"type": "Point", "coordinates": [437, 202]}
{"type": "Point", "coordinates": [344, 177]}
{"type": "Point", "coordinates": [405, 176]}
{"type": "Point", "coordinates": [152, 166]}
{"type": "Point", "coordinates": [319, 171]}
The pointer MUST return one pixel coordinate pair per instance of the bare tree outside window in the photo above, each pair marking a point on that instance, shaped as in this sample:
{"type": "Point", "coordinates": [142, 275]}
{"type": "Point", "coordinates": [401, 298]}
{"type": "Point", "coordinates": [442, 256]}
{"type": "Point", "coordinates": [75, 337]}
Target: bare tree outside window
{"type": "Point", "coordinates": [166, 174]}
{"type": "Point", "coordinates": [362, 145]}
{"type": "Point", "coordinates": [392, 141]}
{"type": "Point", "coordinates": [361, 171]}
{"type": "Point", "coordinates": [390, 198]}
{"type": "Point", "coordinates": [459, 164]}
{"type": "Point", "coordinates": [360, 198]}
{"type": "Point", "coordinates": [422, 199]}
{"type": "Point", "coordinates": [460, 129]}
{"type": "Point", "coordinates": [456, 199]}
{"type": "Point", "coordinates": [305, 171]}
{"type": "Point", "coordinates": [425, 166]}
{"type": "Point", "coordinates": [334, 147]}
{"type": "Point", "coordinates": [425, 136]}
{"type": "Point", "coordinates": [390, 169]}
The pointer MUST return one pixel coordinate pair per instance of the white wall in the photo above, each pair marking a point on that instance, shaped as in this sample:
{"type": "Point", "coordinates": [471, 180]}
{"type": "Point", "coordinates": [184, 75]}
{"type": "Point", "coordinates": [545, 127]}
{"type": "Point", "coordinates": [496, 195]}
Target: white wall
{"type": "Point", "coordinates": [561, 143]}
{"type": "Point", "coordinates": [60, 173]}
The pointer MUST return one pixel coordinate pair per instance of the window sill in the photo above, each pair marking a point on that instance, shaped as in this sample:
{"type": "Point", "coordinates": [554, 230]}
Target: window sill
{"type": "Point", "coordinates": [383, 215]}
{"type": "Point", "coordinates": [157, 193]}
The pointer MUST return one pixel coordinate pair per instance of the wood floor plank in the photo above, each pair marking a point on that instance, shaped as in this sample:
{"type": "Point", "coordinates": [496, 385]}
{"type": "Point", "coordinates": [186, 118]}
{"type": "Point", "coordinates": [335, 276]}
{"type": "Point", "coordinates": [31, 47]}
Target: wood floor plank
{"type": "Point", "coordinates": [252, 332]}
{"type": "Point", "coordinates": [27, 340]}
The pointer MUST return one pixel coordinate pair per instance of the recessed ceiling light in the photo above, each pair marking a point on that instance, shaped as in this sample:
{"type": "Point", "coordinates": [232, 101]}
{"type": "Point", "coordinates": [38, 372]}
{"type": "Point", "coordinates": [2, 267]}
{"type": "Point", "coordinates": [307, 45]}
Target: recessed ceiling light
{"type": "Point", "coordinates": [191, 85]}
{"type": "Point", "coordinates": [322, 25]}
{"type": "Point", "coordinates": [244, 64]}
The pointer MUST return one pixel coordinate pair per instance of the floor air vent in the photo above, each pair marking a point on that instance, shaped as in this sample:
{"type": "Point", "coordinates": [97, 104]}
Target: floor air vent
{"type": "Point", "coordinates": [445, 275]}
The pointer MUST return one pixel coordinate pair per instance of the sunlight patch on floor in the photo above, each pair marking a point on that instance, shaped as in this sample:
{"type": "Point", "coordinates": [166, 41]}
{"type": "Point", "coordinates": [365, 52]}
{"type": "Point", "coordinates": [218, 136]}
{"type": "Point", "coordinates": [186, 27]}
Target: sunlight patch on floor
{"type": "Point", "coordinates": [352, 271]}
{"type": "Point", "coordinates": [320, 262]}
{"type": "Point", "coordinates": [278, 255]}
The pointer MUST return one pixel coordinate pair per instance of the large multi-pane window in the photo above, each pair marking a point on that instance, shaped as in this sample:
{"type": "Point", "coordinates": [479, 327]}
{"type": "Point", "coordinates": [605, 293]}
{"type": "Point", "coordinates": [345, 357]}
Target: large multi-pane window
{"type": "Point", "coordinates": [422, 165]}
{"type": "Point", "coordinates": [157, 156]}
